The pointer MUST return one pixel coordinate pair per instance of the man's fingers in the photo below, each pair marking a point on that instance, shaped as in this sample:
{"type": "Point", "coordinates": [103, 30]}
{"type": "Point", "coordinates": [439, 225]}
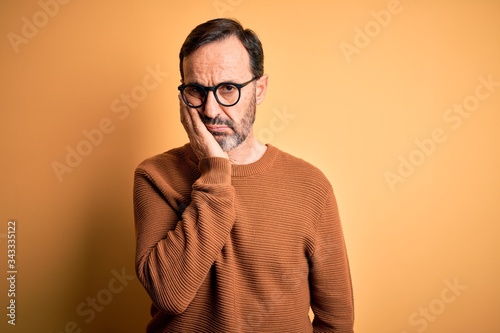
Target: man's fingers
{"type": "Point", "coordinates": [186, 116]}
{"type": "Point", "coordinates": [182, 109]}
{"type": "Point", "coordinates": [202, 141]}
{"type": "Point", "coordinates": [192, 119]}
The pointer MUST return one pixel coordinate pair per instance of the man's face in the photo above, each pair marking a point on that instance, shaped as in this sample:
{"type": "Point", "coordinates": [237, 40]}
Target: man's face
{"type": "Point", "coordinates": [211, 64]}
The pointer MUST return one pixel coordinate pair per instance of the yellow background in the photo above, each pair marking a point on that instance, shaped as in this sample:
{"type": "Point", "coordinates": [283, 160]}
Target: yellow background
{"type": "Point", "coordinates": [354, 115]}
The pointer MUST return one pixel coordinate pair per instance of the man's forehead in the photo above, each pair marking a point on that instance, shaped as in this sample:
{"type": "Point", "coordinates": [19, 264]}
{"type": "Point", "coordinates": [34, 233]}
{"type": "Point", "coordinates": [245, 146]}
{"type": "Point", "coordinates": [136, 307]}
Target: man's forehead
{"type": "Point", "coordinates": [228, 55]}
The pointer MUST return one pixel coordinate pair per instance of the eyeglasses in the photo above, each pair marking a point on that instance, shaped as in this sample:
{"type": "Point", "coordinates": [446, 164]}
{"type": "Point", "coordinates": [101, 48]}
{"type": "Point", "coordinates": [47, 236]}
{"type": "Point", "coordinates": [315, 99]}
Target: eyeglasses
{"type": "Point", "coordinates": [226, 93]}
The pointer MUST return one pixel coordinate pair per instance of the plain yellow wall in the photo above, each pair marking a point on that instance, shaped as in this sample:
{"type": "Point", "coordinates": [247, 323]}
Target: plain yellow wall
{"type": "Point", "coordinates": [396, 101]}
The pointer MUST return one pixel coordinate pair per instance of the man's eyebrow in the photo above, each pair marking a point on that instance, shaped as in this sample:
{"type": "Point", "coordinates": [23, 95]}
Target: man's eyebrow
{"type": "Point", "coordinates": [223, 81]}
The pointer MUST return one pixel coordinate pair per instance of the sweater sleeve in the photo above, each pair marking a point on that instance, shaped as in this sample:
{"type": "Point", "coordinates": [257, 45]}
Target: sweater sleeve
{"type": "Point", "coordinates": [175, 252]}
{"type": "Point", "coordinates": [330, 279]}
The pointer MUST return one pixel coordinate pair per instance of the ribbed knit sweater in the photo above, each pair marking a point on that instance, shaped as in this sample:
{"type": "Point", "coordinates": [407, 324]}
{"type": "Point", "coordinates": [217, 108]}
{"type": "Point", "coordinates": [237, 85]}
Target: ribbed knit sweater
{"type": "Point", "coordinates": [240, 248]}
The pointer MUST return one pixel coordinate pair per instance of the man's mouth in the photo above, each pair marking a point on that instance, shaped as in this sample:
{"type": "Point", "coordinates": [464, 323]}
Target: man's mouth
{"type": "Point", "coordinates": [216, 128]}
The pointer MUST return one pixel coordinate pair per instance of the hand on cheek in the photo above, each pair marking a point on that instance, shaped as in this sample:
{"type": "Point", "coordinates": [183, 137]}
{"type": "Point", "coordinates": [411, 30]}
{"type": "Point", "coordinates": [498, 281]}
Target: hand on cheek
{"type": "Point", "coordinates": [202, 141]}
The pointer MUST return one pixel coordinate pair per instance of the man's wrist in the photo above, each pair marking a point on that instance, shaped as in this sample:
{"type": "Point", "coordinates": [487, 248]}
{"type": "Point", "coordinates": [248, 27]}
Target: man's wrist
{"type": "Point", "coordinates": [215, 170]}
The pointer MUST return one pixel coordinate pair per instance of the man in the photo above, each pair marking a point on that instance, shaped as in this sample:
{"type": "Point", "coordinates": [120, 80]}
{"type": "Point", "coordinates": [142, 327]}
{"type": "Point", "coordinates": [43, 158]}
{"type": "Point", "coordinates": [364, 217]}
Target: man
{"type": "Point", "coordinates": [234, 235]}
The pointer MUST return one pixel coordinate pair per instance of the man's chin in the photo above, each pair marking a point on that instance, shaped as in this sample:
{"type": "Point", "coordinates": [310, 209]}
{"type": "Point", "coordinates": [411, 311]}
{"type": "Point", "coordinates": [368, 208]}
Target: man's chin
{"type": "Point", "coordinates": [227, 143]}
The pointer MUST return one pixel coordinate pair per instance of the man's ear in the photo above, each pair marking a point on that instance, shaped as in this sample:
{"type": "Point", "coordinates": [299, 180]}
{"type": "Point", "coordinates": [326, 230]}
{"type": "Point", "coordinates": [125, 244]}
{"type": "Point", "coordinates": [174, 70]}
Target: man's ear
{"type": "Point", "coordinates": [261, 89]}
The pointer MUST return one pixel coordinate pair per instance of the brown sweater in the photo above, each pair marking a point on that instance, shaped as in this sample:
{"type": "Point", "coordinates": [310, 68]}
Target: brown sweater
{"type": "Point", "coordinates": [240, 248]}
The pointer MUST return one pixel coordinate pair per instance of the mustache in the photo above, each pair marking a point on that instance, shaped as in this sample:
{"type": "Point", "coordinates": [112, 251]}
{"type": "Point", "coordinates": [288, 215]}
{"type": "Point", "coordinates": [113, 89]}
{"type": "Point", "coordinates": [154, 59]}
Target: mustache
{"type": "Point", "coordinates": [217, 121]}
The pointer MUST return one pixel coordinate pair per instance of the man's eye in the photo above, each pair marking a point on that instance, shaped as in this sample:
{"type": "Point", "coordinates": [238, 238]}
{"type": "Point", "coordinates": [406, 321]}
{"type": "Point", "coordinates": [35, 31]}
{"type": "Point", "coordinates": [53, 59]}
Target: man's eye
{"type": "Point", "coordinates": [227, 88]}
{"type": "Point", "coordinates": [194, 91]}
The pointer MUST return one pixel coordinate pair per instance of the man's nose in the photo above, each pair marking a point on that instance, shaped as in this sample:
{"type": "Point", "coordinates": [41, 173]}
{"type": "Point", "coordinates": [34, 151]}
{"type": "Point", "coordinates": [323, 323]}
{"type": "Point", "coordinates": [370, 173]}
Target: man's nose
{"type": "Point", "coordinates": [211, 108]}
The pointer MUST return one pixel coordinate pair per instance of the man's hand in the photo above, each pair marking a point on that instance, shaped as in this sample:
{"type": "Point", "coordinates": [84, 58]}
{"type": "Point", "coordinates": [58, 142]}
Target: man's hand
{"type": "Point", "coordinates": [202, 141]}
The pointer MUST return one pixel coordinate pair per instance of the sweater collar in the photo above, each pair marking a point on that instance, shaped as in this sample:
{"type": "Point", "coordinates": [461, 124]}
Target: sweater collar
{"type": "Point", "coordinates": [244, 170]}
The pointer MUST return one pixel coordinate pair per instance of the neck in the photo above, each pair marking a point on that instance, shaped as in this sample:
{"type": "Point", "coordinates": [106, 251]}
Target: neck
{"type": "Point", "coordinates": [249, 151]}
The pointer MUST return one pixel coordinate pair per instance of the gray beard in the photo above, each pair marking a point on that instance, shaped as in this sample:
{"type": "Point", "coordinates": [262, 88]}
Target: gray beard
{"type": "Point", "coordinates": [230, 141]}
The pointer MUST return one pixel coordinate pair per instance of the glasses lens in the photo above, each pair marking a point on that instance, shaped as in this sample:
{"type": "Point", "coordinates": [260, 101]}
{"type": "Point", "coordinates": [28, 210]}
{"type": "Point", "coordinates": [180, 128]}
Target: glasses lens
{"type": "Point", "coordinates": [228, 94]}
{"type": "Point", "coordinates": [194, 95]}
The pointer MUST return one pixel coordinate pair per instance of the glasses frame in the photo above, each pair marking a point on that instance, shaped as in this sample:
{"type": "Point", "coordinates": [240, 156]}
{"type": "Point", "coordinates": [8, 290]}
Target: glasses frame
{"type": "Point", "coordinates": [214, 90]}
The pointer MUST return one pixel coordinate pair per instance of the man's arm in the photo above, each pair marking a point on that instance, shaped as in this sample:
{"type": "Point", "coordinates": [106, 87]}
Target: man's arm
{"type": "Point", "coordinates": [174, 254]}
{"type": "Point", "coordinates": [330, 279]}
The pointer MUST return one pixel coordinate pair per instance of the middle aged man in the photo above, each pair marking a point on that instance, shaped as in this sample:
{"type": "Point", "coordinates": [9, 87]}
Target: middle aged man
{"type": "Point", "coordinates": [234, 235]}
